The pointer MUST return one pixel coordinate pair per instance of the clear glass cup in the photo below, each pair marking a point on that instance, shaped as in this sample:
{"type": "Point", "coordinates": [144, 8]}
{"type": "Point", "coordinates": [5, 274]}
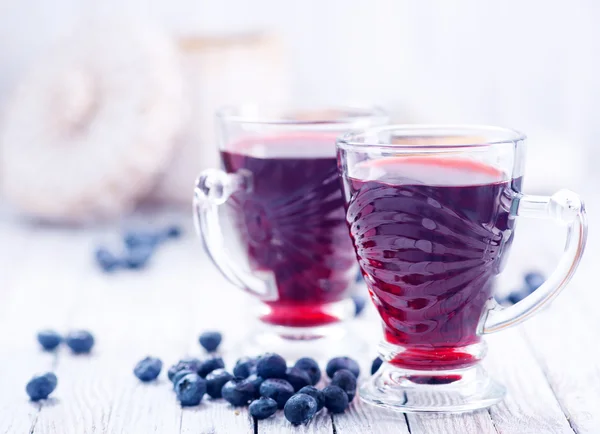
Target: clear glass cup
{"type": "Point", "coordinates": [282, 206]}
{"type": "Point", "coordinates": [432, 212]}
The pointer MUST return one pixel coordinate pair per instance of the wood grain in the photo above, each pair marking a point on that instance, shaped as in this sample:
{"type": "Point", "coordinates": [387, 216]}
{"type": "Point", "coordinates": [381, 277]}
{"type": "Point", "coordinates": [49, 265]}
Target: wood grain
{"type": "Point", "coordinates": [549, 365]}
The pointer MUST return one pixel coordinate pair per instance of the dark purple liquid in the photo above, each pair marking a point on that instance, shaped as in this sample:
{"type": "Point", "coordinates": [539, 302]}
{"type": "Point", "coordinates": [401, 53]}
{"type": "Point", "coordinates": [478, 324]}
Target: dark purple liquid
{"type": "Point", "coordinates": [430, 235]}
{"type": "Point", "coordinates": [292, 224]}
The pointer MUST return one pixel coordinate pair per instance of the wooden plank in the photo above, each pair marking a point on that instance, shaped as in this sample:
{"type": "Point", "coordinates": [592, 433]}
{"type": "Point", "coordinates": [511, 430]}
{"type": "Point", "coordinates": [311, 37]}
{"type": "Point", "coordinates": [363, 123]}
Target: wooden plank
{"type": "Point", "coordinates": [362, 418]}
{"type": "Point", "coordinates": [131, 315]}
{"type": "Point", "coordinates": [559, 337]}
{"type": "Point", "coordinates": [29, 302]}
{"type": "Point", "coordinates": [530, 405]}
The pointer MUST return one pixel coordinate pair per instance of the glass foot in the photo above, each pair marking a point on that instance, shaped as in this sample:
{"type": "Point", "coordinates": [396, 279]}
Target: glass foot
{"type": "Point", "coordinates": [320, 343]}
{"type": "Point", "coordinates": [451, 391]}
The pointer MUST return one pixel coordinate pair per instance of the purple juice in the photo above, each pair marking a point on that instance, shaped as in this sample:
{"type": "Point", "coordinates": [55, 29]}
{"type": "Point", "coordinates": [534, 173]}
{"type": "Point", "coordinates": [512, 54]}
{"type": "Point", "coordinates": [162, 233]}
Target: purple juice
{"type": "Point", "coordinates": [430, 235]}
{"type": "Point", "coordinates": [291, 223]}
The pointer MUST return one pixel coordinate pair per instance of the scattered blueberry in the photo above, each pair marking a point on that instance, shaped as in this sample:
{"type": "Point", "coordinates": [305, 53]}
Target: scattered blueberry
{"type": "Point", "coordinates": [210, 340]}
{"type": "Point", "coordinates": [173, 231]}
{"type": "Point", "coordinates": [134, 239]}
{"type": "Point", "coordinates": [148, 368]}
{"type": "Point", "coordinates": [338, 363]}
{"type": "Point", "coordinates": [256, 381]}
{"type": "Point", "coordinates": [315, 393]}
{"type": "Point", "coordinates": [238, 392]}
{"type": "Point", "coordinates": [180, 374]}
{"type": "Point", "coordinates": [80, 341]}
{"type": "Point", "coordinates": [311, 367]}
{"type": "Point", "coordinates": [376, 365]}
{"type": "Point", "coordinates": [359, 277]}
{"type": "Point", "coordinates": [300, 409]}
{"type": "Point", "coordinates": [244, 367]}
{"type": "Point", "coordinates": [209, 365]}
{"type": "Point", "coordinates": [137, 257]}
{"type": "Point", "coordinates": [516, 296]}
{"type": "Point", "coordinates": [41, 386]}
{"type": "Point", "coordinates": [534, 280]}
{"type": "Point", "coordinates": [191, 364]}
{"type": "Point", "coordinates": [271, 365]}
{"type": "Point", "coordinates": [336, 400]}
{"type": "Point", "coordinates": [215, 382]}
{"type": "Point", "coordinates": [359, 304]}
{"type": "Point", "coordinates": [49, 339]}
{"type": "Point", "coordinates": [346, 381]}
{"type": "Point", "coordinates": [190, 390]}
{"type": "Point", "coordinates": [297, 378]}
{"type": "Point", "coordinates": [278, 389]}
{"type": "Point", "coordinates": [107, 261]}
{"type": "Point", "coordinates": [263, 408]}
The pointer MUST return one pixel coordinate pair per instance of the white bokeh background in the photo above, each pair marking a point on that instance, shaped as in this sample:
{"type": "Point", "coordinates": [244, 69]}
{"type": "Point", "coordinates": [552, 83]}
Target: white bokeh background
{"type": "Point", "coordinates": [532, 65]}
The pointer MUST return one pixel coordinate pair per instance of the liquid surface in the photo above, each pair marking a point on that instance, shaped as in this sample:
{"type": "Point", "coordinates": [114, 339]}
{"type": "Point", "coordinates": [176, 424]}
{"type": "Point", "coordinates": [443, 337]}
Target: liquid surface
{"type": "Point", "coordinates": [292, 224]}
{"type": "Point", "coordinates": [430, 235]}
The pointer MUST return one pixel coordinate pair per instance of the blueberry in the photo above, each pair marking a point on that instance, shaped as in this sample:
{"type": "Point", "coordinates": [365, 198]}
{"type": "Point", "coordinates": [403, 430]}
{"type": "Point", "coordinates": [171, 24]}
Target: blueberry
{"type": "Point", "coordinates": [300, 409]}
{"type": "Point", "coordinates": [271, 365]}
{"type": "Point", "coordinates": [107, 261]}
{"type": "Point", "coordinates": [336, 400]}
{"type": "Point", "coordinates": [516, 296]}
{"type": "Point", "coordinates": [534, 280]}
{"type": "Point", "coordinates": [49, 339]}
{"type": "Point", "coordinates": [41, 386]}
{"type": "Point", "coordinates": [338, 363]}
{"type": "Point", "coordinates": [80, 341]}
{"type": "Point", "coordinates": [346, 381]}
{"type": "Point", "coordinates": [210, 340]}
{"type": "Point", "coordinates": [173, 231]}
{"type": "Point", "coordinates": [190, 364]}
{"type": "Point", "coordinates": [359, 304]}
{"type": "Point", "coordinates": [278, 389]}
{"type": "Point", "coordinates": [215, 382]}
{"type": "Point", "coordinates": [180, 374]}
{"type": "Point", "coordinates": [209, 365]}
{"type": "Point", "coordinates": [244, 367]}
{"type": "Point", "coordinates": [256, 381]}
{"type": "Point", "coordinates": [133, 239]}
{"type": "Point", "coordinates": [238, 392]}
{"type": "Point", "coordinates": [359, 277]}
{"type": "Point", "coordinates": [148, 368]}
{"type": "Point", "coordinates": [263, 408]}
{"type": "Point", "coordinates": [309, 365]}
{"type": "Point", "coordinates": [297, 378]}
{"type": "Point", "coordinates": [190, 390]}
{"type": "Point", "coordinates": [138, 257]}
{"type": "Point", "coordinates": [376, 365]}
{"type": "Point", "coordinates": [315, 393]}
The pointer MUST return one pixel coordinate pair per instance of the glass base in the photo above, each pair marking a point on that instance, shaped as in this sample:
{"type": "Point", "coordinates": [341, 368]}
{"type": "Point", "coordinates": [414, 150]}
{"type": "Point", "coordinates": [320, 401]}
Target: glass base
{"type": "Point", "coordinates": [450, 391]}
{"type": "Point", "coordinates": [321, 343]}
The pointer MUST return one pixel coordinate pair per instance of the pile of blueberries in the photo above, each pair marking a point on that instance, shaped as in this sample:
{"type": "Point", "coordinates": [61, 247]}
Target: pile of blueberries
{"type": "Point", "coordinates": [139, 248]}
{"type": "Point", "coordinates": [532, 281]}
{"type": "Point", "coordinates": [265, 383]}
{"type": "Point", "coordinates": [79, 341]}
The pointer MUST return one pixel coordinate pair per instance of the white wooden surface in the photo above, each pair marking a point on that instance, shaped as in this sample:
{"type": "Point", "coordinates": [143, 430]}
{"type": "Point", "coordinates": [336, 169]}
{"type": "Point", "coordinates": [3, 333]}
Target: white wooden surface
{"type": "Point", "coordinates": [48, 279]}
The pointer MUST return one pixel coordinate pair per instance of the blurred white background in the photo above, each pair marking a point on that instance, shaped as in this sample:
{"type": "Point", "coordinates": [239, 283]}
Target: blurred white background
{"type": "Point", "coordinates": [532, 65]}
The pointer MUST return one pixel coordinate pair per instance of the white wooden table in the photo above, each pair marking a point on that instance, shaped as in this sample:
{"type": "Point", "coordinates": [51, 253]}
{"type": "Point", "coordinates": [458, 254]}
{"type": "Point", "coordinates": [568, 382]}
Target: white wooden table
{"type": "Point", "coordinates": [551, 364]}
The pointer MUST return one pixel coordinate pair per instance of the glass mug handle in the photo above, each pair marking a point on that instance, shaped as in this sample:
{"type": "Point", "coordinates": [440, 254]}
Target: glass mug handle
{"type": "Point", "coordinates": [563, 207]}
{"type": "Point", "coordinates": [213, 188]}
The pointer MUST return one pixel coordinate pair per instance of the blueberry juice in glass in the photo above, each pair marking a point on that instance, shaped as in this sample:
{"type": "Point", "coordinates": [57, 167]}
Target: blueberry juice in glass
{"type": "Point", "coordinates": [430, 236]}
{"type": "Point", "coordinates": [292, 225]}
{"type": "Point", "coordinates": [432, 211]}
{"type": "Point", "coordinates": [273, 219]}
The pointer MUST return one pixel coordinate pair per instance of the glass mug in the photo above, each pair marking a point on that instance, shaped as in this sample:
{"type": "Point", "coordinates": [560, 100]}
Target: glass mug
{"type": "Point", "coordinates": [432, 213]}
{"type": "Point", "coordinates": [280, 190]}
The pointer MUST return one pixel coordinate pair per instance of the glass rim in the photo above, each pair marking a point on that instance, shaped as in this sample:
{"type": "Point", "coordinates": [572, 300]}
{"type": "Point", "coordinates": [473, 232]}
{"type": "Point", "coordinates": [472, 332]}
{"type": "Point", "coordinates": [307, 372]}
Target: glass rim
{"type": "Point", "coordinates": [348, 115]}
{"type": "Point", "coordinates": [493, 135]}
